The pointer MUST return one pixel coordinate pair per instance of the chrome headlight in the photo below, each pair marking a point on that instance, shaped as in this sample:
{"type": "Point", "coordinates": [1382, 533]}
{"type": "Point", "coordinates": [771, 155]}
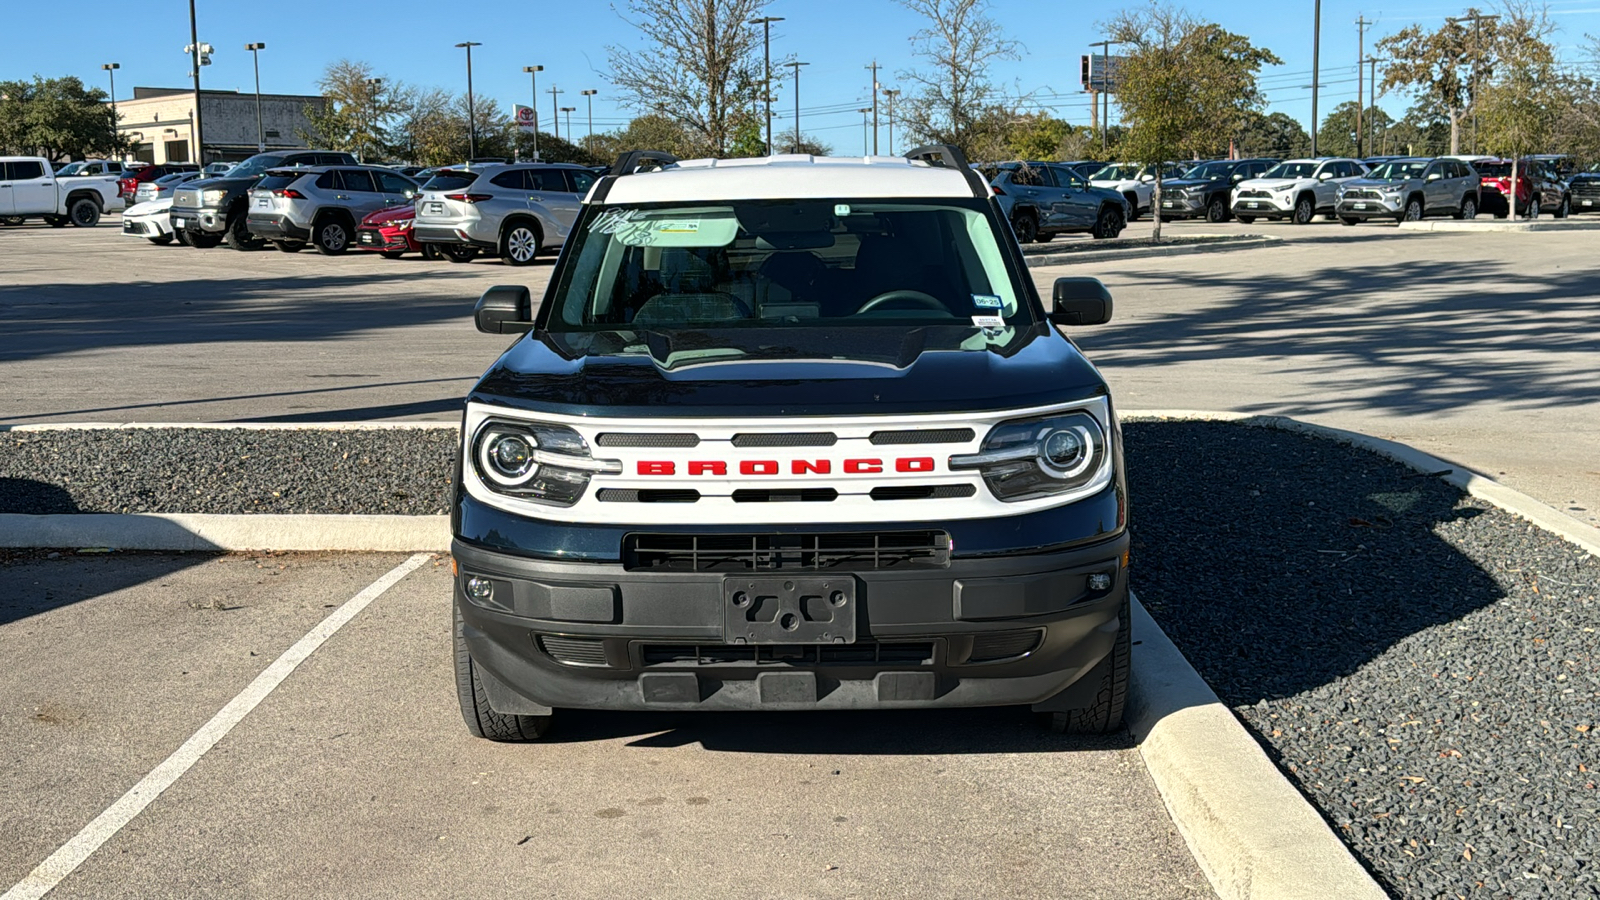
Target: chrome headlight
{"type": "Point", "coordinates": [213, 197]}
{"type": "Point", "coordinates": [1041, 457]}
{"type": "Point", "coordinates": [402, 224]}
{"type": "Point", "coordinates": [543, 463]}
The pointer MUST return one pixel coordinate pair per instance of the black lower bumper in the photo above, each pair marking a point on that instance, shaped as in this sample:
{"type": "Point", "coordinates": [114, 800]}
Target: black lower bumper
{"type": "Point", "coordinates": [977, 632]}
{"type": "Point", "coordinates": [1372, 210]}
{"type": "Point", "coordinates": [276, 228]}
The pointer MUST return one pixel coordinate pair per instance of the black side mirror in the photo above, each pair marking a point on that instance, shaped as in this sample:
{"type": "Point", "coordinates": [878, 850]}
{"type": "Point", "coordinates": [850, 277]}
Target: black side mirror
{"type": "Point", "coordinates": [1080, 301]}
{"type": "Point", "coordinates": [504, 309]}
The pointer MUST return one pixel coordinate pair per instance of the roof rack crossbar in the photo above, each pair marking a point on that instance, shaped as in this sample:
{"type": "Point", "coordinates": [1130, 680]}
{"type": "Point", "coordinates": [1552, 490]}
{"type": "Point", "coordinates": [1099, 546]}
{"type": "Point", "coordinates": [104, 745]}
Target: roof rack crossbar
{"type": "Point", "coordinates": [949, 156]}
{"type": "Point", "coordinates": [633, 160]}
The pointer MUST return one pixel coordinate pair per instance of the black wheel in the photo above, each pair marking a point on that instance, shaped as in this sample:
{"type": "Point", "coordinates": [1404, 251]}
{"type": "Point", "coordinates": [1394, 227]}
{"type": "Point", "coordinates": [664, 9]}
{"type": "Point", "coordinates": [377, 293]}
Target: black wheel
{"type": "Point", "coordinates": [1304, 211]}
{"type": "Point", "coordinates": [56, 221]}
{"type": "Point", "coordinates": [1469, 208]}
{"type": "Point", "coordinates": [482, 721]}
{"type": "Point", "coordinates": [1133, 206]}
{"type": "Point", "coordinates": [181, 237]}
{"type": "Point", "coordinates": [1166, 219]}
{"type": "Point", "coordinates": [1533, 207]}
{"type": "Point", "coordinates": [1112, 672]}
{"type": "Point", "coordinates": [459, 253]}
{"type": "Point", "coordinates": [1348, 221]}
{"type": "Point", "coordinates": [331, 235]}
{"type": "Point", "coordinates": [239, 237]}
{"type": "Point", "coordinates": [1109, 225]}
{"type": "Point", "coordinates": [431, 252]}
{"type": "Point", "coordinates": [1217, 210]}
{"type": "Point", "coordinates": [163, 240]}
{"type": "Point", "coordinates": [11, 220]}
{"type": "Point", "coordinates": [519, 244]}
{"type": "Point", "coordinates": [289, 246]}
{"type": "Point", "coordinates": [393, 254]}
{"type": "Point", "coordinates": [1413, 211]}
{"type": "Point", "coordinates": [84, 213]}
{"type": "Point", "coordinates": [1245, 220]}
{"type": "Point", "coordinates": [204, 241]}
{"type": "Point", "coordinates": [1025, 226]}
{"type": "Point", "coordinates": [1043, 237]}
{"type": "Point", "coordinates": [1565, 209]}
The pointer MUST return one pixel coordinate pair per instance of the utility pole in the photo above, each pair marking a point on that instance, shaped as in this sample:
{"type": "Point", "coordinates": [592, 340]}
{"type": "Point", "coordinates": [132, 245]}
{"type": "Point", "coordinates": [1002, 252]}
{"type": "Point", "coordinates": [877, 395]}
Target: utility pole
{"type": "Point", "coordinates": [1372, 97]}
{"type": "Point", "coordinates": [533, 76]}
{"type": "Point", "coordinates": [555, 110]}
{"type": "Point", "coordinates": [255, 57]}
{"type": "Point", "coordinates": [1316, 68]}
{"type": "Point", "coordinates": [472, 112]}
{"type": "Point", "coordinates": [111, 69]}
{"type": "Point", "coordinates": [796, 67]}
{"type": "Point", "coordinates": [864, 110]}
{"type": "Point", "coordinates": [1361, 51]}
{"type": "Point", "coordinates": [1105, 77]}
{"type": "Point", "coordinates": [374, 85]}
{"type": "Point", "coordinates": [1477, 19]}
{"type": "Point", "coordinates": [874, 68]}
{"type": "Point", "coordinates": [589, 96]}
{"type": "Point", "coordinates": [766, 89]}
{"type": "Point", "coordinates": [891, 93]}
{"type": "Point", "coordinates": [568, 110]}
{"type": "Point", "coordinates": [194, 52]}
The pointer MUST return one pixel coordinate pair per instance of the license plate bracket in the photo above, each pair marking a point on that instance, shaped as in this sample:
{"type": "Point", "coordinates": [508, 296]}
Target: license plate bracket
{"type": "Point", "coordinates": [812, 610]}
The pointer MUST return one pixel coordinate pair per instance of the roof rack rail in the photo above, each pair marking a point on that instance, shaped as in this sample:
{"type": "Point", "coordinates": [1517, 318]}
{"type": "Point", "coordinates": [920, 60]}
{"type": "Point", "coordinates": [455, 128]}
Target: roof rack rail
{"type": "Point", "coordinates": [630, 162]}
{"type": "Point", "coordinates": [949, 156]}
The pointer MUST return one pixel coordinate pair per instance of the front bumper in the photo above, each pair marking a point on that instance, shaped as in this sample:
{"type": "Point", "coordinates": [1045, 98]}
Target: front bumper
{"type": "Point", "coordinates": [276, 228]}
{"type": "Point", "coordinates": [452, 231]}
{"type": "Point", "coordinates": [1368, 208]}
{"type": "Point", "coordinates": [1263, 207]}
{"type": "Point", "coordinates": [385, 239]}
{"type": "Point", "coordinates": [199, 221]}
{"type": "Point", "coordinates": [977, 632]}
{"type": "Point", "coordinates": [146, 227]}
{"type": "Point", "coordinates": [1188, 207]}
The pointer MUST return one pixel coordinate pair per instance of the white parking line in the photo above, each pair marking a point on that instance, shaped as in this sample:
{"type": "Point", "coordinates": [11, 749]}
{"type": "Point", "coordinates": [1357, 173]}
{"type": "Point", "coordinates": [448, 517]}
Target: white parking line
{"type": "Point", "coordinates": [44, 878]}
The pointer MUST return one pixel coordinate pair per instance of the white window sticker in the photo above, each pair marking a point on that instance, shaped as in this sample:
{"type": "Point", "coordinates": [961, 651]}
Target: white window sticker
{"type": "Point", "coordinates": [987, 301]}
{"type": "Point", "coordinates": [989, 321]}
{"type": "Point", "coordinates": [841, 209]}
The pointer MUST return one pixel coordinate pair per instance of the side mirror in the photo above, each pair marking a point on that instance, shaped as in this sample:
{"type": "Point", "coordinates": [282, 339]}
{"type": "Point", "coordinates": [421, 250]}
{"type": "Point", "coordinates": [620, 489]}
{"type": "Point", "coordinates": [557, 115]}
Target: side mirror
{"type": "Point", "coordinates": [1434, 176]}
{"type": "Point", "coordinates": [504, 309]}
{"type": "Point", "coordinates": [1324, 176]}
{"type": "Point", "coordinates": [1147, 177]}
{"type": "Point", "coordinates": [1080, 301]}
{"type": "Point", "coordinates": [411, 193]}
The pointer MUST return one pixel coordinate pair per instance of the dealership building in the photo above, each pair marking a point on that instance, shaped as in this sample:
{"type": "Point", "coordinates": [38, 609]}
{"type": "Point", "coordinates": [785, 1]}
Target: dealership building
{"type": "Point", "coordinates": [160, 122]}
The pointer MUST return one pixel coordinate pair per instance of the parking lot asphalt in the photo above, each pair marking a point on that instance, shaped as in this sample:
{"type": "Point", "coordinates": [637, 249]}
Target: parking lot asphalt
{"type": "Point", "coordinates": [1479, 348]}
{"type": "Point", "coordinates": [356, 778]}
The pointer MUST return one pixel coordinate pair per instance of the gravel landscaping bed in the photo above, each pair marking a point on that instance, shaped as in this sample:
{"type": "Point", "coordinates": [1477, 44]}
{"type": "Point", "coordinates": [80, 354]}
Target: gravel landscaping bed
{"type": "Point", "coordinates": [1425, 668]}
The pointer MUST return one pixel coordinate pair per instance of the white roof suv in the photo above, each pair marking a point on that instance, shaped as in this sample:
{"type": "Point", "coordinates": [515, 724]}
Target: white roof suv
{"type": "Point", "coordinates": [1296, 189]}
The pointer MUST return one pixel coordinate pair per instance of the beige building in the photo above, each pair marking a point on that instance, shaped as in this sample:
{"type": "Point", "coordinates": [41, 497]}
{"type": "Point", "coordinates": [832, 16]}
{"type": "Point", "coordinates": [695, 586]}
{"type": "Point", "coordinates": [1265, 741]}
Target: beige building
{"type": "Point", "coordinates": [160, 121]}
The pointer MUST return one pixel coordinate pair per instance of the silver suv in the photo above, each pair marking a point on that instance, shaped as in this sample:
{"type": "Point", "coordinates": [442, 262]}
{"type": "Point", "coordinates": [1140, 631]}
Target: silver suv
{"type": "Point", "coordinates": [515, 211]}
{"type": "Point", "coordinates": [1405, 190]}
{"type": "Point", "coordinates": [322, 205]}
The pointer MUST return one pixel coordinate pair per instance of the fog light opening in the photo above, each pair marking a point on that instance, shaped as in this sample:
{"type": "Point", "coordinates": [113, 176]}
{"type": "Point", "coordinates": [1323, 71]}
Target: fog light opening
{"type": "Point", "coordinates": [479, 589]}
{"type": "Point", "coordinates": [1099, 581]}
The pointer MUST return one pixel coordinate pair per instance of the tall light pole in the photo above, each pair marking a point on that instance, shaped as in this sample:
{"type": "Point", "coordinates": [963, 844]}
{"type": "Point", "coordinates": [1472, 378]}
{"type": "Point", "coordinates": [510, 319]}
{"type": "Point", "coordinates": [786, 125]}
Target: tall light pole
{"type": "Point", "coordinates": [255, 56]}
{"type": "Point", "coordinates": [472, 112]}
{"type": "Point", "coordinates": [589, 96]}
{"type": "Point", "coordinates": [374, 85]}
{"type": "Point", "coordinates": [569, 111]}
{"type": "Point", "coordinates": [1105, 80]}
{"type": "Point", "coordinates": [874, 68]}
{"type": "Point", "coordinates": [533, 78]}
{"type": "Point", "coordinates": [1372, 102]}
{"type": "Point", "coordinates": [1477, 19]}
{"type": "Point", "coordinates": [1361, 53]}
{"type": "Point", "coordinates": [766, 41]}
{"type": "Point", "coordinates": [891, 93]}
{"type": "Point", "coordinates": [864, 111]}
{"type": "Point", "coordinates": [555, 111]}
{"type": "Point", "coordinates": [194, 53]}
{"type": "Point", "coordinates": [1316, 81]}
{"type": "Point", "coordinates": [796, 67]}
{"type": "Point", "coordinates": [111, 69]}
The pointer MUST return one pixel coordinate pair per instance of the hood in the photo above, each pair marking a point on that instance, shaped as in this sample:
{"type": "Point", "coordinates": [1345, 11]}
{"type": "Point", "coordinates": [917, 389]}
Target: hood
{"type": "Point", "coordinates": [390, 214]}
{"type": "Point", "coordinates": [1585, 176]}
{"type": "Point", "coordinates": [788, 372]}
{"type": "Point", "coordinates": [1272, 184]}
{"type": "Point", "coordinates": [223, 183]}
{"type": "Point", "coordinates": [1193, 182]}
{"type": "Point", "coordinates": [1379, 182]}
{"type": "Point", "coordinates": [148, 208]}
{"type": "Point", "coordinates": [1116, 185]}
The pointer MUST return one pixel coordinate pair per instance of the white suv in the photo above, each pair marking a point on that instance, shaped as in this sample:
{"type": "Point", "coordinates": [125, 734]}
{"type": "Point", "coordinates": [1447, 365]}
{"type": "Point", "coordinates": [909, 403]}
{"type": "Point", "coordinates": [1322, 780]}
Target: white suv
{"type": "Point", "coordinates": [1297, 190]}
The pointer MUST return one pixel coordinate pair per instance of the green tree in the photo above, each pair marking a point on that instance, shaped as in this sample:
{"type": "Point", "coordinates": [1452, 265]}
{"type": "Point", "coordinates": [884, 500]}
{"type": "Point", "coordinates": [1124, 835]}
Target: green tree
{"type": "Point", "coordinates": [1039, 136]}
{"type": "Point", "coordinates": [1518, 109]}
{"type": "Point", "coordinates": [359, 113]}
{"type": "Point", "coordinates": [787, 143]}
{"type": "Point", "coordinates": [952, 93]}
{"type": "Point", "coordinates": [1337, 134]}
{"type": "Point", "coordinates": [1184, 86]}
{"type": "Point", "coordinates": [700, 65]}
{"type": "Point", "coordinates": [647, 132]}
{"type": "Point", "coordinates": [748, 137]}
{"type": "Point", "coordinates": [427, 131]}
{"type": "Point", "coordinates": [57, 118]}
{"type": "Point", "coordinates": [1276, 135]}
{"type": "Point", "coordinates": [560, 150]}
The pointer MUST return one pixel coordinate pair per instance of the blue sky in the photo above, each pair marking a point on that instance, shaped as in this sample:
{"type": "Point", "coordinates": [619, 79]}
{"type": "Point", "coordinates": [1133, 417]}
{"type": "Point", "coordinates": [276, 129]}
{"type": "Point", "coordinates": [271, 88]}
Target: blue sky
{"type": "Point", "coordinates": [412, 40]}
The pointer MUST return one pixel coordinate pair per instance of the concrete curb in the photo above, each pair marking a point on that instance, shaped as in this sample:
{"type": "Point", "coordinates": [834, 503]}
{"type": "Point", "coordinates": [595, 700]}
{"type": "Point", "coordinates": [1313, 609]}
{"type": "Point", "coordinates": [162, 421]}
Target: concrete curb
{"type": "Point", "coordinates": [1494, 225]}
{"type": "Point", "coordinates": [1252, 834]}
{"type": "Point", "coordinates": [1484, 488]}
{"type": "Point", "coordinates": [1036, 260]}
{"type": "Point", "coordinates": [192, 531]}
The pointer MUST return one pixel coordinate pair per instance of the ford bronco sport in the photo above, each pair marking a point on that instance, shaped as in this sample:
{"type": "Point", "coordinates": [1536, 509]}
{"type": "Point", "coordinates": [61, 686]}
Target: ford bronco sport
{"type": "Point", "coordinates": [790, 433]}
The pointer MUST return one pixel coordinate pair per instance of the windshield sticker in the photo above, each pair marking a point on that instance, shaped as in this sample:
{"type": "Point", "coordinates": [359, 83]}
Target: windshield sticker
{"type": "Point", "coordinates": [677, 227]}
{"type": "Point", "coordinates": [841, 209]}
{"type": "Point", "coordinates": [987, 301]}
{"type": "Point", "coordinates": [989, 321]}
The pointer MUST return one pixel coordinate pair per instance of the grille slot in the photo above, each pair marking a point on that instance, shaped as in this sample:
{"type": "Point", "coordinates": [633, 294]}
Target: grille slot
{"type": "Point", "coordinates": [616, 439]}
{"type": "Point", "coordinates": [797, 495]}
{"type": "Point", "coordinates": [864, 653]}
{"type": "Point", "coordinates": [789, 439]}
{"type": "Point", "coordinates": [570, 651]}
{"type": "Point", "coordinates": [1363, 195]}
{"type": "Point", "coordinates": [761, 552]}
{"type": "Point", "coordinates": [923, 492]}
{"type": "Point", "coordinates": [923, 436]}
{"type": "Point", "coordinates": [648, 495]}
{"type": "Point", "coordinates": [1254, 193]}
{"type": "Point", "coordinates": [1003, 645]}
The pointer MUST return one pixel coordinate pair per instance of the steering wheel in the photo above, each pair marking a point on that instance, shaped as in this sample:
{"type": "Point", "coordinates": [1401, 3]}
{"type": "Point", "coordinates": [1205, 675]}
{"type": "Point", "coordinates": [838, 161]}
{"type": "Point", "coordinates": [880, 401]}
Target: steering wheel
{"type": "Point", "coordinates": [916, 297]}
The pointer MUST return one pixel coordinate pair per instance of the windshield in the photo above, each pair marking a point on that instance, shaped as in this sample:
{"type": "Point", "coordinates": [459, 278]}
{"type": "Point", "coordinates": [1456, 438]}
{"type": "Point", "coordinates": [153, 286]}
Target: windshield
{"type": "Point", "coordinates": [1291, 170]}
{"type": "Point", "coordinates": [1399, 170]}
{"type": "Point", "coordinates": [1116, 172]}
{"type": "Point", "coordinates": [70, 169]}
{"type": "Point", "coordinates": [255, 165]}
{"type": "Point", "coordinates": [784, 264]}
{"type": "Point", "coordinates": [1500, 168]}
{"type": "Point", "coordinates": [1212, 171]}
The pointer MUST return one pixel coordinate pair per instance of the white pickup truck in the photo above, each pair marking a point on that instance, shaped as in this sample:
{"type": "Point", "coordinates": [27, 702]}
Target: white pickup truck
{"type": "Point", "coordinates": [29, 189]}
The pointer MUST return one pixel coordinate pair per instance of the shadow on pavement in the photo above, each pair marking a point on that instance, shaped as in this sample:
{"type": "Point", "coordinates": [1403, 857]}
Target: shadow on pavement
{"type": "Point", "coordinates": [31, 583]}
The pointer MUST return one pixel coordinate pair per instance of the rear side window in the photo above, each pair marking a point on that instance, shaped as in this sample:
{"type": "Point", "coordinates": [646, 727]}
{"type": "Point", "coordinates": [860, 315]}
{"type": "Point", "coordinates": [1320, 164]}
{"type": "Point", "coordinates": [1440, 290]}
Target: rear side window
{"type": "Point", "coordinates": [450, 181]}
{"type": "Point", "coordinates": [279, 182]}
{"type": "Point", "coordinates": [391, 183]}
{"type": "Point", "coordinates": [1027, 176]}
{"type": "Point", "coordinates": [547, 180]}
{"type": "Point", "coordinates": [24, 170]}
{"type": "Point", "coordinates": [511, 180]}
{"type": "Point", "coordinates": [358, 180]}
{"type": "Point", "coordinates": [581, 179]}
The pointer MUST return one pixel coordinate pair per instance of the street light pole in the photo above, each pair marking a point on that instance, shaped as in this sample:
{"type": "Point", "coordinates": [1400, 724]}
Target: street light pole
{"type": "Point", "coordinates": [569, 110]}
{"type": "Point", "coordinates": [1105, 83]}
{"type": "Point", "coordinates": [194, 53]}
{"type": "Point", "coordinates": [891, 93]}
{"type": "Point", "coordinates": [255, 56]}
{"type": "Point", "coordinates": [533, 77]}
{"type": "Point", "coordinates": [589, 96]}
{"type": "Point", "coordinates": [864, 110]}
{"type": "Point", "coordinates": [1361, 51]}
{"type": "Point", "coordinates": [472, 112]}
{"type": "Point", "coordinates": [796, 67]}
{"type": "Point", "coordinates": [766, 40]}
{"type": "Point", "coordinates": [1316, 49]}
{"type": "Point", "coordinates": [111, 69]}
{"type": "Point", "coordinates": [1477, 19]}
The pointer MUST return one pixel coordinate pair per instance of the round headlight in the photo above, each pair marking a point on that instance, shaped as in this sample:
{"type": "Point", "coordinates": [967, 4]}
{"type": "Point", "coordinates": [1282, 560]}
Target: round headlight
{"type": "Point", "coordinates": [1066, 450]}
{"type": "Point", "coordinates": [507, 456]}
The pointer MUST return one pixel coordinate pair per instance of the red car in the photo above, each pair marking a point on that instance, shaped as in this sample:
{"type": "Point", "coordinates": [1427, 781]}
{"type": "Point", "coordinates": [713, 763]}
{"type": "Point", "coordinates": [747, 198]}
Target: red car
{"type": "Point", "coordinates": [388, 231]}
{"type": "Point", "coordinates": [1539, 188]}
{"type": "Point", "coordinates": [132, 178]}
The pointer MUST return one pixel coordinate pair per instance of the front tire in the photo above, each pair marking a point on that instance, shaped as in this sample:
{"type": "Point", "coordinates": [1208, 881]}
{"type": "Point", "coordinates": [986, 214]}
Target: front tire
{"type": "Point", "coordinates": [1565, 209]}
{"type": "Point", "coordinates": [1304, 211]}
{"type": "Point", "coordinates": [181, 237]}
{"type": "Point", "coordinates": [203, 241]}
{"type": "Point", "coordinates": [1246, 220]}
{"type": "Point", "coordinates": [1348, 220]}
{"type": "Point", "coordinates": [431, 252]}
{"type": "Point", "coordinates": [1413, 211]}
{"type": "Point", "coordinates": [332, 236]}
{"type": "Point", "coordinates": [238, 236]}
{"type": "Point", "coordinates": [459, 253]}
{"type": "Point", "coordinates": [1109, 225]}
{"type": "Point", "coordinates": [289, 246]}
{"type": "Point", "coordinates": [482, 721]}
{"type": "Point", "coordinates": [162, 240]}
{"type": "Point", "coordinates": [84, 213]}
{"type": "Point", "coordinates": [1105, 714]}
{"type": "Point", "coordinates": [1025, 226]}
{"type": "Point", "coordinates": [1469, 209]}
{"type": "Point", "coordinates": [520, 244]}
{"type": "Point", "coordinates": [1133, 206]}
{"type": "Point", "coordinates": [393, 254]}
{"type": "Point", "coordinates": [1533, 208]}
{"type": "Point", "coordinates": [1217, 211]}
